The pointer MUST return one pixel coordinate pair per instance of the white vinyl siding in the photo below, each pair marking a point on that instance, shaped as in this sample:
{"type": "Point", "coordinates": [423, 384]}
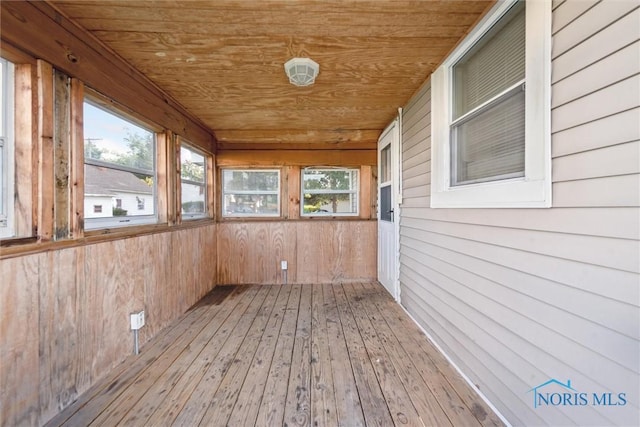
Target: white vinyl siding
{"type": "Point", "coordinates": [516, 297]}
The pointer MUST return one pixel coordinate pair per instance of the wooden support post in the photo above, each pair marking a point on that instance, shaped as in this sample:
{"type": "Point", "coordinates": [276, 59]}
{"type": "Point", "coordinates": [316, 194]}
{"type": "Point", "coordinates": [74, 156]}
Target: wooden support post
{"type": "Point", "coordinates": [45, 154]}
{"type": "Point", "coordinates": [62, 154]}
{"type": "Point", "coordinates": [77, 159]}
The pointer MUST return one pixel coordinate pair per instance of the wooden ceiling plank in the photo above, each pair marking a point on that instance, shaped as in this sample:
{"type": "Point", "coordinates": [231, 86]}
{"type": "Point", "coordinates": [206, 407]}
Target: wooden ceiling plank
{"type": "Point", "coordinates": [64, 46]}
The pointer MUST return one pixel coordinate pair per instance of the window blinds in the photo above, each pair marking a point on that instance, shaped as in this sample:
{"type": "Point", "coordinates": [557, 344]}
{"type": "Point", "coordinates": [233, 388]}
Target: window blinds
{"type": "Point", "coordinates": [489, 105]}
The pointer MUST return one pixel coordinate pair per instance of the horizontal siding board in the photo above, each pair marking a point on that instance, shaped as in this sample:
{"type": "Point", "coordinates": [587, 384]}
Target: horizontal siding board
{"type": "Point", "coordinates": [619, 191]}
{"type": "Point", "coordinates": [415, 202]}
{"type": "Point", "coordinates": [623, 159]}
{"type": "Point", "coordinates": [417, 160]}
{"type": "Point", "coordinates": [614, 68]}
{"type": "Point", "coordinates": [606, 282]}
{"type": "Point", "coordinates": [422, 179]}
{"type": "Point", "coordinates": [539, 346]}
{"type": "Point", "coordinates": [413, 150]}
{"type": "Point", "coordinates": [567, 12]}
{"type": "Point", "coordinates": [613, 253]}
{"type": "Point", "coordinates": [420, 193]}
{"type": "Point", "coordinates": [620, 223]}
{"type": "Point", "coordinates": [612, 38]}
{"type": "Point", "coordinates": [591, 22]}
{"type": "Point", "coordinates": [421, 140]}
{"type": "Point", "coordinates": [610, 130]}
{"type": "Point", "coordinates": [412, 124]}
{"type": "Point", "coordinates": [563, 310]}
{"type": "Point", "coordinates": [605, 102]}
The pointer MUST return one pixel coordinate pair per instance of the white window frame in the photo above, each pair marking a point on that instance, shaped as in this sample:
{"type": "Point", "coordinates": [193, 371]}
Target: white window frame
{"type": "Point", "coordinates": [250, 192]}
{"type": "Point", "coordinates": [354, 191]}
{"type": "Point", "coordinates": [91, 224]}
{"type": "Point", "coordinates": [533, 190]}
{"type": "Point", "coordinates": [204, 185]}
{"type": "Point", "coordinates": [7, 147]}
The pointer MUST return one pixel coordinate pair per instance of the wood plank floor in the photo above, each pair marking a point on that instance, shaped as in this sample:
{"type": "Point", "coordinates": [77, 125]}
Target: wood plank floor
{"type": "Point", "coordinates": [292, 355]}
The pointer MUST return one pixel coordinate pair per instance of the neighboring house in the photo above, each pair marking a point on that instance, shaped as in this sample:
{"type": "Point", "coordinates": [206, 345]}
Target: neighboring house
{"type": "Point", "coordinates": [106, 189]}
{"type": "Point", "coordinates": [518, 296]}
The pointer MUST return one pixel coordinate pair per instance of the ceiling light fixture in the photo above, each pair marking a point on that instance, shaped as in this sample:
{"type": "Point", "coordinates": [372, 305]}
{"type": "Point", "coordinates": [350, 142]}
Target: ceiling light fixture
{"type": "Point", "coordinates": [301, 71]}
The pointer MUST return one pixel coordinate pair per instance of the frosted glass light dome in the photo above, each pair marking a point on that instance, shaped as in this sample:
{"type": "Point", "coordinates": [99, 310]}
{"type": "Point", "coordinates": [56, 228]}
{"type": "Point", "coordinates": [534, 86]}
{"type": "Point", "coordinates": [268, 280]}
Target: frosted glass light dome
{"type": "Point", "coordinates": [301, 71]}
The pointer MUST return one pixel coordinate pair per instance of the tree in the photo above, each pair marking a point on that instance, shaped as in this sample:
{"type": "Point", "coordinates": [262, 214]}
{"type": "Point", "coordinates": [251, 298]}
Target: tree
{"type": "Point", "coordinates": [139, 153]}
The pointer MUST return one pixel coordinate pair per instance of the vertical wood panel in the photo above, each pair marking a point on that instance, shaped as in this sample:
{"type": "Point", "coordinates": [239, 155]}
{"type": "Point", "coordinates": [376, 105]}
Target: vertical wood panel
{"type": "Point", "coordinates": [65, 313]}
{"type": "Point", "coordinates": [19, 368]}
{"type": "Point", "coordinates": [62, 154]}
{"type": "Point", "coordinates": [316, 251]}
{"type": "Point", "coordinates": [24, 150]}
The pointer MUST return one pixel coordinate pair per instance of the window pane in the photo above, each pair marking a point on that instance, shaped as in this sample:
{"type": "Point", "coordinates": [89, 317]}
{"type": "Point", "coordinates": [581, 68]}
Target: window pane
{"type": "Point", "coordinates": [119, 170]}
{"type": "Point", "coordinates": [494, 64]}
{"type": "Point", "coordinates": [119, 193]}
{"type": "Point", "coordinates": [193, 183]}
{"type": "Point", "coordinates": [111, 139]}
{"type": "Point", "coordinates": [246, 180]}
{"type": "Point", "coordinates": [491, 144]}
{"type": "Point", "coordinates": [385, 164]}
{"type": "Point", "coordinates": [251, 192]}
{"type": "Point", "coordinates": [192, 165]}
{"type": "Point", "coordinates": [251, 204]}
{"type": "Point", "coordinates": [330, 191]}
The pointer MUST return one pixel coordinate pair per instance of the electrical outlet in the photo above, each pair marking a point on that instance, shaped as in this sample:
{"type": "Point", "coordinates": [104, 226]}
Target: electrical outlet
{"type": "Point", "coordinates": [283, 265]}
{"type": "Point", "coordinates": [137, 320]}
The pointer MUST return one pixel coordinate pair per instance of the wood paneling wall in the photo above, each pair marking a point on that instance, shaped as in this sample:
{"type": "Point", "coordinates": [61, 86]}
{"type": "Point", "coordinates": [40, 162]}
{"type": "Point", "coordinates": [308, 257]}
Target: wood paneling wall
{"type": "Point", "coordinates": [316, 251]}
{"type": "Point", "coordinates": [65, 313]}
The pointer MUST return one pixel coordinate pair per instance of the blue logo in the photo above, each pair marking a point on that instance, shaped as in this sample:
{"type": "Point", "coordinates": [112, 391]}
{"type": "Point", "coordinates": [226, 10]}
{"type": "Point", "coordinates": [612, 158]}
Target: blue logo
{"type": "Point", "coordinates": [557, 393]}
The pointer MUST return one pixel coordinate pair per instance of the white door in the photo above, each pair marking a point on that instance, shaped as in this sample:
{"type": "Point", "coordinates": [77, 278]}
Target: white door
{"type": "Point", "coordinates": [388, 208]}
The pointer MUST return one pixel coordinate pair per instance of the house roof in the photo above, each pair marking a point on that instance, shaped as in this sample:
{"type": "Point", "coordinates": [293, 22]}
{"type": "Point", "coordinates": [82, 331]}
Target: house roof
{"type": "Point", "coordinates": [223, 60]}
{"type": "Point", "coordinates": [106, 181]}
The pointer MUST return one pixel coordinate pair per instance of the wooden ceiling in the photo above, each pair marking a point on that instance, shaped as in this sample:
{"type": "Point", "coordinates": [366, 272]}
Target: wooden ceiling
{"type": "Point", "coordinates": [223, 60]}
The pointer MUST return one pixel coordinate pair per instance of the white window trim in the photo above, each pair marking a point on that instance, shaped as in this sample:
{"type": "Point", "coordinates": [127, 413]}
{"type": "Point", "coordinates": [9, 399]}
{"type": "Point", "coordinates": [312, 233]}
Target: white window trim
{"type": "Point", "coordinates": [204, 185]}
{"type": "Point", "coordinates": [91, 224]}
{"type": "Point", "coordinates": [251, 192]}
{"type": "Point", "coordinates": [7, 180]}
{"type": "Point", "coordinates": [355, 191]}
{"type": "Point", "coordinates": [534, 189]}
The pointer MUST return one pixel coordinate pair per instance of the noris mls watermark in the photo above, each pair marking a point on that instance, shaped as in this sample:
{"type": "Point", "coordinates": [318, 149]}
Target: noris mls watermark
{"type": "Point", "coordinates": [557, 393]}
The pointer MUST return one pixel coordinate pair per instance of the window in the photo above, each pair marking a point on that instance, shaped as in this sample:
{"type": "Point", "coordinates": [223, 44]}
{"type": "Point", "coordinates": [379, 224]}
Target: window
{"type": "Point", "coordinates": [491, 113]}
{"type": "Point", "coordinates": [6, 149]}
{"type": "Point", "coordinates": [254, 192]}
{"type": "Point", "coordinates": [193, 181]}
{"type": "Point", "coordinates": [329, 192]}
{"type": "Point", "coordinates": [120, 169]}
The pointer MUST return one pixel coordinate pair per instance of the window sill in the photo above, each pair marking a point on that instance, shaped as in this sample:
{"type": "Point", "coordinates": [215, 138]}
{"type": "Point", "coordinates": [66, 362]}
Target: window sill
{"type": "Point", "coordinates": [11, 248]}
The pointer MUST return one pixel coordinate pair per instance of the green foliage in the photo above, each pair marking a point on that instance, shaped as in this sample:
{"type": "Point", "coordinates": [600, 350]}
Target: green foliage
{"type": "Point", "coordinates": [192, 171]}
{"type": "Point", "coordinates": [139, 151]}
{"type": "Point", "coordinates": [119, 212]}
